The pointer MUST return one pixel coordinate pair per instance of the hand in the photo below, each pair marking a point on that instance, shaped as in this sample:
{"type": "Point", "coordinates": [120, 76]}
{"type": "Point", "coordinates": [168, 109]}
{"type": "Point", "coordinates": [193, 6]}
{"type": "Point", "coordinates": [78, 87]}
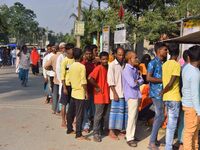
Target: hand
{"type": "Point", "coordinates": [161, 93]}
{"type": "Point", "coordinates": [116, 97]}
{"type": "Point", "coordinates": [45, 80]}
{"type": "Point", "coordinates": [86, 96]}
{"type": "Point", "coordinates": [199, 119]}
{"type": "Point", "coordinates": [65, 90]}
{"type": "Point", "coordinates": [97, 89]}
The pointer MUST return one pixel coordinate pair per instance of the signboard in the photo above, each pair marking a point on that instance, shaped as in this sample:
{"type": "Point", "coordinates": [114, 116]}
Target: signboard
{"type": "Point", "coordinates": [106, 38]}
{"type": "Point", "coordinates": [79, 28]}
{"type": "Point", "coordinates": [190, 26]}
{"type": "Point", "coordinates": [120, 26]}
{"type": "Point", "coordinates": [12, 40]}
{"type": "Point", "coordinates": [120, 37]}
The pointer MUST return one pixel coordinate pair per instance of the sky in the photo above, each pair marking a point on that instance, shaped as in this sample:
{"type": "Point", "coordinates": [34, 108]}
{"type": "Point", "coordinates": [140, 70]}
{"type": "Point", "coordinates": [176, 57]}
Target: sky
{"type": "Point", "coordinates": [54, 14]}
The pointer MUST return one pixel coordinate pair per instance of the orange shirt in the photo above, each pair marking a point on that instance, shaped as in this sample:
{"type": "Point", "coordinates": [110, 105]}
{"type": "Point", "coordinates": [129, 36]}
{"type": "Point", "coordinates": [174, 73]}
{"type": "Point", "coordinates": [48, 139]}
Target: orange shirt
{"type": "Point", "coordinates": [146, 100]}
{"type": "Point", "coordinates": [143, 69]}
{"type": "Point", "coordinates": [99, 74]}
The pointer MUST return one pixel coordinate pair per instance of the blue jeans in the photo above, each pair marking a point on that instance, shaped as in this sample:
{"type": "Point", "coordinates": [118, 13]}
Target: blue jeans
{"type": "Point", "coordinates": [181, 126]}
{"type": "Point", "coordinates": [158, 119]}
{"type": "Point", "coordinates": [173, 109]}
{"type": "Point", "coordinates": [88, 112]}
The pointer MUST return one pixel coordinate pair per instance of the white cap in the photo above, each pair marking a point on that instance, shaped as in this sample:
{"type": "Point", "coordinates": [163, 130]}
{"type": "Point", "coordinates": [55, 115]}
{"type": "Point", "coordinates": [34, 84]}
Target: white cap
{"type": "Point", "coordinates": [62, 44]}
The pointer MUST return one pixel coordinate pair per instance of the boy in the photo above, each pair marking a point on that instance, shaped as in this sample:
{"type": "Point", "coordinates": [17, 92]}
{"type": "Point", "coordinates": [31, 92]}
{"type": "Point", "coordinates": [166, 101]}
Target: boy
{"type": "Point", "coordinates": [98, 78]}
{"type": "Point", "coordinates": [77, 78]}
{"type": "Point", "coordinates": [171, 70]}
{"type": "Point", "coordinates": [191, 99]}
{"type": "Point", "coordinates": [117, 119]}
{"type": "Point", "coordinates": [154, 77]}
{"type": "Point", "coordinates": [66, 88]}
{"type": "Point", "coordinates": [131, 81]}
{"type": "Point", "coordinates": [89, 107]}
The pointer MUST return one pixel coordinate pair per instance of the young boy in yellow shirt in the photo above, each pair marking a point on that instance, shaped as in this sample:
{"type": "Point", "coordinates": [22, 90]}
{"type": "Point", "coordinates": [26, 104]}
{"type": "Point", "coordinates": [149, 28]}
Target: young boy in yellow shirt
{"type": "Point", "coordinates": [78, 81]}
{"type": "Point", "coordinates": [171, 70]}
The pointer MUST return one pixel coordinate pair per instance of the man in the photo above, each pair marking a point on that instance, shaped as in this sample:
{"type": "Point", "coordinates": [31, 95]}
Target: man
{"type": "Point", "coordinates": [191, 99]}
{"type": "Point", "coordinates": [131, 82]}
{"type": "Point", "coordinates": [154, 76]}
{"type": "Point", "coordinates": [89, 106]}
{"type": "Point", "coordinates": [171, 70]}
{"type": "Point", "coordinates": [98, 78]}
{"type": "Point", "coordinates": [117, 120]}
{"type": "Point", "coordinates": [51, 65]}
{"type": "Point", "coordinates": [65, 64]}
{"type": "Point", "coordinates": [48, 75]}
{"type": "Point", "coordinates": [77, 78]}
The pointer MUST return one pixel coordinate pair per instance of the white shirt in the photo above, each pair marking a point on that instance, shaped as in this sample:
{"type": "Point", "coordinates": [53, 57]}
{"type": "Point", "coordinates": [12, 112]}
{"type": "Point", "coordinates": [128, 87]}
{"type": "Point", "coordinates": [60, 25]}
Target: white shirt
{"type": "Point", "coordinates": [114, 78]}
{"type": "Point", "coordinates": [58, 66]}
{"type": "Point", "coordinates": [24, 60]}
{"type": "Point", "coordinates": [47, 72]}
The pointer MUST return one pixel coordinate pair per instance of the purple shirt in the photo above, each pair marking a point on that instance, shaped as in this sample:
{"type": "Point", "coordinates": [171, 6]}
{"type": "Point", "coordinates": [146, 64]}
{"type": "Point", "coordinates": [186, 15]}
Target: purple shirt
{"type": "Point", "coordinates": [131, 88]}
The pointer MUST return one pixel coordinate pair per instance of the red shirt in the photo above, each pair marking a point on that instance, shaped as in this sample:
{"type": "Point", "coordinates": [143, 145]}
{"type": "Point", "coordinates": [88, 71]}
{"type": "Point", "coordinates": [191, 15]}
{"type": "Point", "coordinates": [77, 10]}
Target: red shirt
{"type": "Point", "coordinates": [99, 74]}
{"type": "Point", "coordinates": [89, 68]}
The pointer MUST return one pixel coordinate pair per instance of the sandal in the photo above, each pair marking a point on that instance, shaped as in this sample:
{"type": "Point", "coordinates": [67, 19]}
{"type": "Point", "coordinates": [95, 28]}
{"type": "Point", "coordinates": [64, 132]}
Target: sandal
{"type": "Point", "coordinates": [132, 143]}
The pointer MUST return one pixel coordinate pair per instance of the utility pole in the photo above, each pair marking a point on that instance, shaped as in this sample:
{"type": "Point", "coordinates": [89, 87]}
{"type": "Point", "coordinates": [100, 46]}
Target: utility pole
{"type": "Point", "coordinates": [78, 37]}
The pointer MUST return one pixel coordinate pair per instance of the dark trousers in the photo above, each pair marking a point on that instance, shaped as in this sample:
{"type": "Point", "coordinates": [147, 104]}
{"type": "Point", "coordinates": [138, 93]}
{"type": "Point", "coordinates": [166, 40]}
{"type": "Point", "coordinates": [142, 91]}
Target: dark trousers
{"type": "Point", "coordinates": [55, 98]}
{"type": "Point", "coordinates": [102, 112]}
{"type": "Point", "coordinates": [35, 68]}
{"type": "Point", "coordinates": [76, 109]}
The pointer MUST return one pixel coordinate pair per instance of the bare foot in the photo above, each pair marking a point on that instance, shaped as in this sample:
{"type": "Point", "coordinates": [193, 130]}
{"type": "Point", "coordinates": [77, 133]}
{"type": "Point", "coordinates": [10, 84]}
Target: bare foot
{"type": "Point", "coordinates": [83, 138]}
{"type": "Point", "coordinates": [113, 136]}
{"type": "Point", "coordinates": [63, 124]}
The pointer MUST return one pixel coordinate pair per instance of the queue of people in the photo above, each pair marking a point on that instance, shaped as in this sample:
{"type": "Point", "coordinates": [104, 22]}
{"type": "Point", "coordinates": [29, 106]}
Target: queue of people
{"type": "Point", "coordinates": [107, 97]}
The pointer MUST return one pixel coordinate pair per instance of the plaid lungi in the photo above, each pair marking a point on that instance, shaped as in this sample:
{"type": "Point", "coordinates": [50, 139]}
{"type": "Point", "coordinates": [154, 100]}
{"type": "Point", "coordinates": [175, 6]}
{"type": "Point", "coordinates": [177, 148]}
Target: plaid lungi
{"type": "Point", "coordinates": [118, 114]}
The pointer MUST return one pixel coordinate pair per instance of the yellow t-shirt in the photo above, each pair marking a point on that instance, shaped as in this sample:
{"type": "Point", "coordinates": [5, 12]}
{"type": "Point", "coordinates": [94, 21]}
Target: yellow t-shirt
{"type": "Point", "coordinates": [171, 68]}
{"type": "Point", "coordinates": [77, 78]}
{"type": "Point", "coordinates": [65, 65]}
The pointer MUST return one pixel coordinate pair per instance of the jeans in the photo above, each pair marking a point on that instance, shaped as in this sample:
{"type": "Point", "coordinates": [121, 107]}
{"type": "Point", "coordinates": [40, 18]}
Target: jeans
{"type": "Point", "coordinates": [88, 112]}
{"type": "Point", "coordinates": [173, 109]}
{"type": "Point", "coordinates": [55, 103]}
{"type": "Point", "coordinates": [181, 126]}
{"type": "Point", "coordinates": [158, 119]}
{"type": "Point", "coordinates": [23, 75]}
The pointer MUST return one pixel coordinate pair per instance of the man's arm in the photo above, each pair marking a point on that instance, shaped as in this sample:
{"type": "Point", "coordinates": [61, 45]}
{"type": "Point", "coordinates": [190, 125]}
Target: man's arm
{"type": "Point", "coordinates": [94, 83]}
{"type": "Point", "coordinates": [169, 85]}
{"type": "Point", "coordinates": [111, 81]}
{"type": "Point", "coordinates": [152, 79]}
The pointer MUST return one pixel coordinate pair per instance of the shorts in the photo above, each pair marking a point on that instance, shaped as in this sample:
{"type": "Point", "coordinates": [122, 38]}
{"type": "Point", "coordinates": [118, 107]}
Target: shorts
{"type": "Point", "coordinates": [65, 99]}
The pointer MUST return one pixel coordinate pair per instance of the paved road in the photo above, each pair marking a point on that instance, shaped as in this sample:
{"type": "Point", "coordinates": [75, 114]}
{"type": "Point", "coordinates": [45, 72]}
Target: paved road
{"type": "Point", "coordinates": [26, 123]}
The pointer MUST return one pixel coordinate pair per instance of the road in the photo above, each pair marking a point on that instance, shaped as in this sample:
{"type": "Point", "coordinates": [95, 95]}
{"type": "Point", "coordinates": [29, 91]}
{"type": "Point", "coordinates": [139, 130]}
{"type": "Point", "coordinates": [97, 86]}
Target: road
{"type": "Point", "coordinates": [27, 123]}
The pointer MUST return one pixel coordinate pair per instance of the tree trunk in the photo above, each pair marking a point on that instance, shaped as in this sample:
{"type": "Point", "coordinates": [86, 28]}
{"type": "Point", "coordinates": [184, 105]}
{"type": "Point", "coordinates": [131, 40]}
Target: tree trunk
{"type": "Point", "coordinates": [98, 40]}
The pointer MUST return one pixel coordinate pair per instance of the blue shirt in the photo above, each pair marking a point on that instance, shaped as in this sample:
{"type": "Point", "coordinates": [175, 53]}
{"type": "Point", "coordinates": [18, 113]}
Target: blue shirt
{"type": "Point", "coordinates": [155, 67]}
{"type": "Point", "coordinates": [191, 87]}
{"type": "Point", "coordinates": [131, 88]}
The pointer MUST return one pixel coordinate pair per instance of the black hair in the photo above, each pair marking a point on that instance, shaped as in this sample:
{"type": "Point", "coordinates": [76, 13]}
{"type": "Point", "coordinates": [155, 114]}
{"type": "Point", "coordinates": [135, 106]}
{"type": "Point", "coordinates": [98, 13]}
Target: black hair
{"type": "Point", "coordinates": [88, 49]}
{"type": "Point", "coordinates": [185, 55]}
{"type": "Point", "coordinates": [49, 45]}
{"type": "Point", "coordinates": [159, 45]}
{"type": "Point", "coordinates": [23, 47]}
{"type": "Point", "coordinates": [103, 54]}
{"type": "Point", "coordinates": [93, 46]}
{"type": "Point", "coordinates": [77, 53]}
{"type": "Point", "coordinates": [115, 50]}
{"type": "Point", "coordinates": [194, 53]}
{"type": "Point", "coordinates": [69, 46]}
{"type": "Point", "coordinates": [146, 58]}
{"type": "Point", "coordinates": [173, 49]}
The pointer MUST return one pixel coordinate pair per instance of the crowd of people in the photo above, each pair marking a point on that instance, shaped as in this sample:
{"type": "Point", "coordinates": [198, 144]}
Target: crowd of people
{"type": "Point", "coordinates": [107, 93]}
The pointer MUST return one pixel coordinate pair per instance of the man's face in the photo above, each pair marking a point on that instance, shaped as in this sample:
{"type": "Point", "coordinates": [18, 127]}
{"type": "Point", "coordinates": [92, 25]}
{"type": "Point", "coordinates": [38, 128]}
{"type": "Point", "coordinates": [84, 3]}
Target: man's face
{"type": "Point", "coordinates": [49, 49]}
{"type": "Point", "coordinates": [163, 51]}
{"type": "Point", "coordinates": [120, 55]}
{"type": "Point", "coordinates": [62, 49]}
{"type": "Point", "coordinates": [134, 59]}
{"type": "Point", "coordinates": [70, 52]}
{"type": "Point", "coordinates": [88, 55]}
{"type": "Point", "coordinates": [95, 52]}
{"type": "Point", "coordinates": [104, 60]}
